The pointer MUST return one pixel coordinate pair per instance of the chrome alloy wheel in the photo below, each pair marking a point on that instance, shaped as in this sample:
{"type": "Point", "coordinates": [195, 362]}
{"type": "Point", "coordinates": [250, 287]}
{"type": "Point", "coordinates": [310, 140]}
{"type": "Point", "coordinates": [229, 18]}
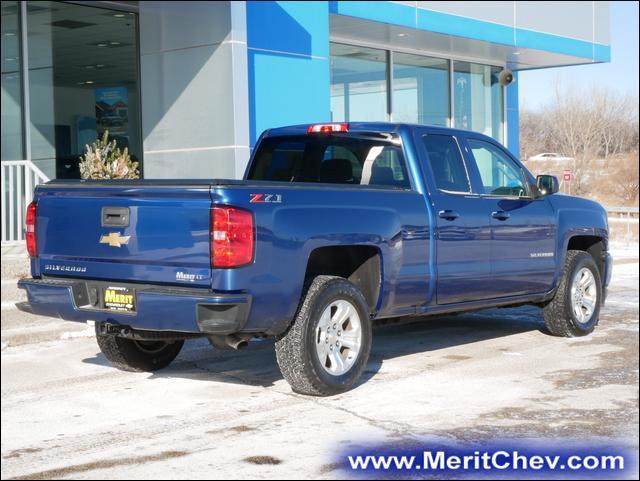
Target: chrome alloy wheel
{"type": "Point", "coordinates": [338, 337]}
{"type": "Point", "coordinates": [584, 295]}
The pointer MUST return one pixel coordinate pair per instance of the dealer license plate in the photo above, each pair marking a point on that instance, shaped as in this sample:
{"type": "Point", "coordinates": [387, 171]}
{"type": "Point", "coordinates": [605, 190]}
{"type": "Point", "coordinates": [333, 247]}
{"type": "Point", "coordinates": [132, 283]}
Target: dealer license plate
{"type": "Point", "coordinates": [119, 299]}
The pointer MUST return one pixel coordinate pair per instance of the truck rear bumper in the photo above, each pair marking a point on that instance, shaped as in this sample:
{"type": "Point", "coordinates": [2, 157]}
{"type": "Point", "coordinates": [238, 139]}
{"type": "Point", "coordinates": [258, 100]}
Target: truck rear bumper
{"type": "Point", "coordinates": [157, 308]}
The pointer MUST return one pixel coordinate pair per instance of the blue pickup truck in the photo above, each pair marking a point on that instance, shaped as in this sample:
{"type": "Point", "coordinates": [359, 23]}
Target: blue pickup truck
{"type": "Point", "coordinates": [333, 226]}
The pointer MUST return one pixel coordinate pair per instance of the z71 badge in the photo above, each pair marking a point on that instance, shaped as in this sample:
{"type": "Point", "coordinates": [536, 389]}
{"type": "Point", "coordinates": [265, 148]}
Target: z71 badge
{"type": "Point", "coordinates": [265, 198]}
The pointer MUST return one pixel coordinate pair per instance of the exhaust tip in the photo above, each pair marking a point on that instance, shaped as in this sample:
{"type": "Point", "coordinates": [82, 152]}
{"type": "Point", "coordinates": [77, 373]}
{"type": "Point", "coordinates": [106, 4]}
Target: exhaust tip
{"type": "Point", "coordinates": [236, 342]}
{"type": "Point", "coordinates": [242, 345]}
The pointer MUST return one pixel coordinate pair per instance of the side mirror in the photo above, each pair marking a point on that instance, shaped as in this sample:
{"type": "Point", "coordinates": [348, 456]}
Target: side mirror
{"type": "Point", "coordinates": [547, 184]}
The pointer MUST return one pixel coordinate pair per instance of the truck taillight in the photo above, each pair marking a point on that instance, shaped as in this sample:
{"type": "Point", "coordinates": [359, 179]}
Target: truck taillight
{"type": "Point", "coordinates": [232, 237]}
{"type": "Point", "coordinates": [30, 231]}
{"type": "Point", "coordinates": [327, 128]}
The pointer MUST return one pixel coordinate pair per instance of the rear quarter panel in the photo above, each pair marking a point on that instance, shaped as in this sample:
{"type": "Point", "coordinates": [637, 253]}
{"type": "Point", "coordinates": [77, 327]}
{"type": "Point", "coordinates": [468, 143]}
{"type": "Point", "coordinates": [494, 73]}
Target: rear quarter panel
{"type": "Point", "coordinates": [310, 216]}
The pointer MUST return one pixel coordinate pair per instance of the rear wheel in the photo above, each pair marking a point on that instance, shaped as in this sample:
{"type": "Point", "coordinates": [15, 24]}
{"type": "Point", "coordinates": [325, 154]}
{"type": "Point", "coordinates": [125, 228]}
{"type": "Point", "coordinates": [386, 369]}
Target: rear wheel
{"type": "Point", "coordinates": [134, 355]}
{"type": "Point", "coordinates": [575, 308]}
{"type": "Point", "coordinates": [327, 347]}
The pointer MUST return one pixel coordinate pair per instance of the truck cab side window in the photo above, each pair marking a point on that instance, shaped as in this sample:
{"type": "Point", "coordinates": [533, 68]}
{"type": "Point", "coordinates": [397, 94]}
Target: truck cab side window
{"type": "Point", "coordinates": [500, 176]}
{"type": "Point", "coordinates": [384, 165]}
{"type": "Point", "coordinates": [447, 165]}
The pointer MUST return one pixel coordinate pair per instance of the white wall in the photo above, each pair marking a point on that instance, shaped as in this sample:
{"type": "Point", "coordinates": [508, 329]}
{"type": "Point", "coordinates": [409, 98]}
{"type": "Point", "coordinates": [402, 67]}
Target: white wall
{"type": "Point", "coordinates": [194, 89]}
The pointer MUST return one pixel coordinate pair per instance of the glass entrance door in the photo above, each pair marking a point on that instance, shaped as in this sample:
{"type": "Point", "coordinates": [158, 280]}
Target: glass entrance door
{"type": "Point", "coordinates": [83, 81]}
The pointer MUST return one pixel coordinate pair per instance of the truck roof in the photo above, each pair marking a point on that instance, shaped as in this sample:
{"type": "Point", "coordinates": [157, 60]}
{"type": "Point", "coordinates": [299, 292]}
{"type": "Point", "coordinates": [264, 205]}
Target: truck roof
{"type": "Point", "coordinates": [301, 129]}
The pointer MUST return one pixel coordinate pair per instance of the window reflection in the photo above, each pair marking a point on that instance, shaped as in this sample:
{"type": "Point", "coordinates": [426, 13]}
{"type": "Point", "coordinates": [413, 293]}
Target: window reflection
{"type": "Point", "coordinates": [420, 89]}
{"type": "Point", "coordinates": [358, 83]}
{"type": "Point", "coordinates": [477, 98]}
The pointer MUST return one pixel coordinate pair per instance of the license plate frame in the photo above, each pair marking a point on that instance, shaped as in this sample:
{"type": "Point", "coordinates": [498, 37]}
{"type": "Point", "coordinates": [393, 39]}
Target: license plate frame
{"type": "Point", "coordinates": [119, 299]}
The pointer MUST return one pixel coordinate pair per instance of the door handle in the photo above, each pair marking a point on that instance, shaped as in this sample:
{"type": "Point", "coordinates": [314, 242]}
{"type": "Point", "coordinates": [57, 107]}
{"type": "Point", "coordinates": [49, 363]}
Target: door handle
{"type": "Point", "coordinates": [448, 214]}
{"type": "Point", "coordinates": [500, 215]}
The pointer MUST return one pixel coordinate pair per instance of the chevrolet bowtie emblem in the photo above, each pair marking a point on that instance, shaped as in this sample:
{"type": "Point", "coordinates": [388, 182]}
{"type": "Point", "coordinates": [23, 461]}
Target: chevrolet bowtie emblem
{"type": "Point", "coordinates": [114, 239]}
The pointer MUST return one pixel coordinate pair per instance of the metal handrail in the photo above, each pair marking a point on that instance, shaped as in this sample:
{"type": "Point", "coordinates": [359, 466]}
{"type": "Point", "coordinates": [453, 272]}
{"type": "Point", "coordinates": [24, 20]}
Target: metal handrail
{"type": "Point", "coordinates": [622, 210]}
{"type": "Point", "coordinates": [19, 179]}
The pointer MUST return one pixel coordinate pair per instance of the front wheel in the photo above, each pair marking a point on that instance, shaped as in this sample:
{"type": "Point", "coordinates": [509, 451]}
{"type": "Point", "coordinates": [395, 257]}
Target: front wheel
{"type": "Point", "coordinates": [575, 308]}
{"type": "Point", "coordinates": [138, 356]}
{"type": "Point", "coordinates": [327, 347]}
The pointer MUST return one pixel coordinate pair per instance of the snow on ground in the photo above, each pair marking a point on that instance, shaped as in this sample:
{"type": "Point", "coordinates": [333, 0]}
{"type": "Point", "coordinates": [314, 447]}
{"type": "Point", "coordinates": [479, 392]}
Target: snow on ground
{"type": "Point", "coordinates": [621, 250]}
{"type": "Point", "coordinates": [213, 414]}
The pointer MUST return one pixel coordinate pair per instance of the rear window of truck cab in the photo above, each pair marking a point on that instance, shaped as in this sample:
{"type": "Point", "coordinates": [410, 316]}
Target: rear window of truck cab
{"type": "Point", "coordinates": [330, 159]}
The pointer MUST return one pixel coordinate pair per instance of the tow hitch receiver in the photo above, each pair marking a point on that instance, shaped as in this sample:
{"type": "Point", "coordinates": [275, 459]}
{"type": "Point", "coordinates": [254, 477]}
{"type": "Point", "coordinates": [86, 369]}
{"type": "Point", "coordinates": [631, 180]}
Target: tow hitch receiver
{"type": "Point", "coordinates": [107, 328]}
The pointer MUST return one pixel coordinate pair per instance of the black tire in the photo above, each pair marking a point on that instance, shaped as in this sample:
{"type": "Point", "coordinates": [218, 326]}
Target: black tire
{"type": "Point", "coordinates": [296, 349]}
{"type": "Point", "coordinates": [559, 318]}
{"type": "Point", "coordinates": [137, 356]}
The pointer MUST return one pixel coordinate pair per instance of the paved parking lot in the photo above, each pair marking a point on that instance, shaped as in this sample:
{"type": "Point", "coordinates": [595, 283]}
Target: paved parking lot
{"type": "Point", "coordinates": [212, 414]}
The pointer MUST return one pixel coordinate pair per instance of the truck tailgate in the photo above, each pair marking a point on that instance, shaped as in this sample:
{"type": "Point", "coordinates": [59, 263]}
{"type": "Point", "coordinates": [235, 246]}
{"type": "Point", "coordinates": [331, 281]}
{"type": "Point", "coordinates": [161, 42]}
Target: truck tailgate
{"type": "Point", "coordinates": [83, 231]}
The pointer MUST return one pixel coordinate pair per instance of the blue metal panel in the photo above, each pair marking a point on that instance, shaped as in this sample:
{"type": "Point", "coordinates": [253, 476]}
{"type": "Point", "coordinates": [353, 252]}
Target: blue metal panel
{"type": "Point", "coordinates": [386, 12]}
{"type": "Point", "coordinates": [601, 53]}
{"type": "Point", "coordinates": [288, 64]}
{"type": "Point", "coordinates": [513, 117]}
{"type": "Point", "coordinates": [289, 27]}
{"type": "Point", "coordinates": [286, 89]}
{"type": "Point", "coordinates": [553, 43]}
{"type": "Point", "coordinates": [466, 27]}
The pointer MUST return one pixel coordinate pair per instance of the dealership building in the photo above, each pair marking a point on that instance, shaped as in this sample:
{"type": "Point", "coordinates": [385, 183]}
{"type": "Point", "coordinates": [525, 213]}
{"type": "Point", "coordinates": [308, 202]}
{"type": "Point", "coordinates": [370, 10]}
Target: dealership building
{"type": "Point", "coordinates": [189, 86]}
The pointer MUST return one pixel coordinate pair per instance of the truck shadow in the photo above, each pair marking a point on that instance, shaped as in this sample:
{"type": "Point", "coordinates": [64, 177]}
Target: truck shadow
{"type": "Point", "coordinates": [434, 336]}
{"type": "Point", "coordinates": [257, 366]}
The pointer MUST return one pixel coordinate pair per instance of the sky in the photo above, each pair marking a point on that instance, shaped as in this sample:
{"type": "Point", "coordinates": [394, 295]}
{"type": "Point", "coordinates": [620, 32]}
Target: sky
{"type": "Point", "coordinates": [536, 87]}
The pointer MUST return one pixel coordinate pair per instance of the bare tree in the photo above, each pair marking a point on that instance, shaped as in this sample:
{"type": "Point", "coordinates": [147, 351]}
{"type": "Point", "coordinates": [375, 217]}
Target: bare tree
{"type": "Point", "coordinates": [532, 141]}
{"type": "Point", "coordinates": [588, 126]}
{"type": "Point", "coordinates": [596, 123]}
{"type": "Point", "coordinates": [625, 178]}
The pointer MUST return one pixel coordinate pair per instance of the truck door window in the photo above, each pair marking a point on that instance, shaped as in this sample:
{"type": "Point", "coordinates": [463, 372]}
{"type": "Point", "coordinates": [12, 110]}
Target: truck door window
{"type": "Point", "coordinates": [384, 165]}
{"type": "Point", "coordinates": [447, 165]}
{"type": "Point", "coordinates": [500, 175]}
{"type": "Point", "coordinates": [330, 159]}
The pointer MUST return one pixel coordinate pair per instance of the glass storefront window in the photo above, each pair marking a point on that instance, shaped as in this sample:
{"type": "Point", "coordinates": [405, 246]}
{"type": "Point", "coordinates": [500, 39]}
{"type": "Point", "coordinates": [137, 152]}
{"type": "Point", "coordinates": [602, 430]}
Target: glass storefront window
{"type": "Point", "coordinates": [420, 89]}
{"type": "Point", "coordinates": [477, 100]}
{"type": "Point", "coordinates": [12, 141]}
{"type": "Point", "coordinates": [83, 80]}
{"type": "Point", "coordinates": [358, 83]}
